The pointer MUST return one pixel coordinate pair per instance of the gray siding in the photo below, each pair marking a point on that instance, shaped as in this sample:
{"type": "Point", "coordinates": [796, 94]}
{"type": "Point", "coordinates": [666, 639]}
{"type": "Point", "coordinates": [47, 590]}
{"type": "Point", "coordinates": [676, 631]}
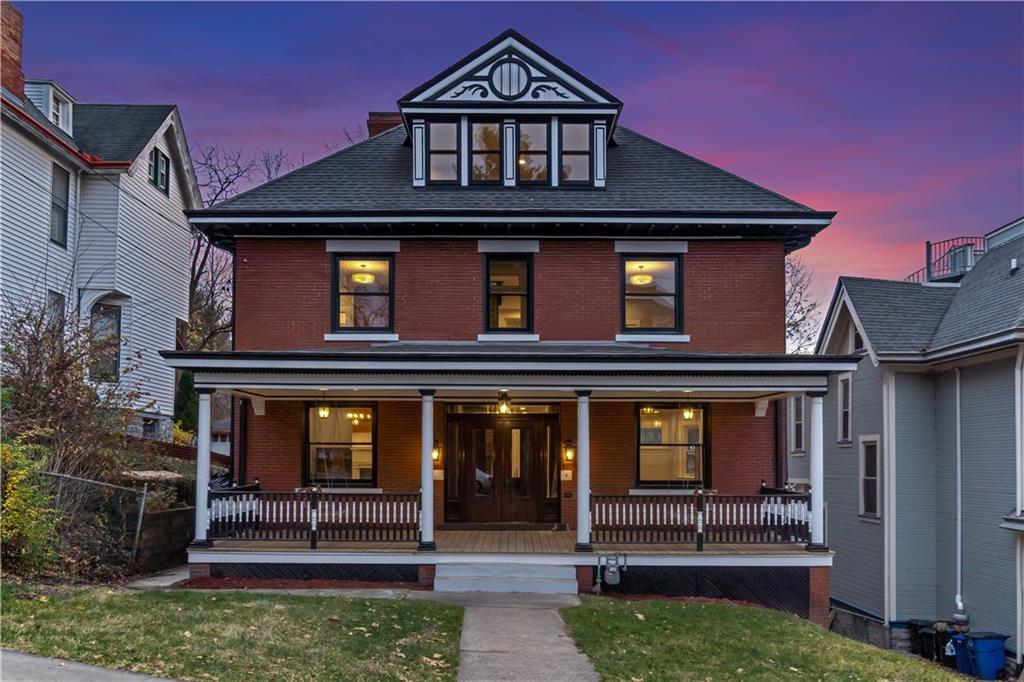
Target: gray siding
{"type": "Point", "coordinates": [945, 494]}
{"type": "Point", "coordinates": [989, 580]}
{"type": "Point", "coordinates": [858, 573]}
{"type": "Point", "coordinates": [915, 496]}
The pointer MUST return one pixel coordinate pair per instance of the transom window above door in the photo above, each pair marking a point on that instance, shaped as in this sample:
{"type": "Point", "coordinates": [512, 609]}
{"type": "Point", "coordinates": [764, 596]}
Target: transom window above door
{"type": "Point", "coordinates": [650, 294]}
{"type": "Point", "coordinates": [362, 300]}
{"type": "Point", "coordinates": [509, 308]}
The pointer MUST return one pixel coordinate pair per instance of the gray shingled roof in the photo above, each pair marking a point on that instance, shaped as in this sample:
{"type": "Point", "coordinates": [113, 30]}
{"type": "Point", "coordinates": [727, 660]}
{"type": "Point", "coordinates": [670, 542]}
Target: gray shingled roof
{"type": "Point", "coordinates": [904, 317]}
{"type": "Point", "coordinates": [117, 132]}
{"type": "Point", "coordinates": [375, 175]}
{"type": "Point", "coordinates": [897, 316]}
{"type": "Point", "coordinates": [989, 299]}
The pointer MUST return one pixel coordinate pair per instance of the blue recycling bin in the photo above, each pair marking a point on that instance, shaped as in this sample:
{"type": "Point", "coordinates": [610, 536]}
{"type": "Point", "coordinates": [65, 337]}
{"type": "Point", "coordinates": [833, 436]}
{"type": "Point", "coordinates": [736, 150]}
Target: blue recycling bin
{"type": "Point", "coordinates": [963, 661]}
{"type": "Point", "coordinates": [985, 650]}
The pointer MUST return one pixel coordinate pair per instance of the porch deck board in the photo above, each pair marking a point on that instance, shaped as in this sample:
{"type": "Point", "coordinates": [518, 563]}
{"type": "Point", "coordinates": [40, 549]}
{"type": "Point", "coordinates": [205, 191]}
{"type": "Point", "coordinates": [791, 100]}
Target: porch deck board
{"type": "Point", "coordinates": [507, 542]}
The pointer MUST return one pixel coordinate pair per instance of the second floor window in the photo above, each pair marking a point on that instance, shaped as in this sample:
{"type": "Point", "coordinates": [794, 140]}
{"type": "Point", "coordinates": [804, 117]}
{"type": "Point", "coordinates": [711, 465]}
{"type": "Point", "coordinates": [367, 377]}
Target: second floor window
{"type": "Point", "coordinates": [574, 165]}
{"type": "Point", "coordinates": [650, 299]}
{"type": "Point", "coordinates": [60, 188]}
{"type": "Point", "coordinates": [160, 170]}
{"type": "Point", "coordinates": [443, 152]}
{"type": "Point", "coordinates": [508, 294]}
{"type": "Point", "coordinates": [363, 293]}
{"type": "Point", "coordinates": [533, 153]}
{"type": "Point", "coordinates": [486, 162]}
{"type": "Point", "coordinates": [845, 403]}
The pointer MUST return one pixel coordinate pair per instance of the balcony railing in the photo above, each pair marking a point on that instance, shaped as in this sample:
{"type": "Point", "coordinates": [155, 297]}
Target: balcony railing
{"type": "Point", "coordinates": [948, 259]}
{"type": "Point", "coordinates": [314, 515]}
{"type": "Point", "coordinates": [701, 518]}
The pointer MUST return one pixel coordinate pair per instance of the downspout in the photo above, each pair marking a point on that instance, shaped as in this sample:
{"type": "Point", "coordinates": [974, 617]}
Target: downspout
{"type": "Point", "coordinates": [960, 616]}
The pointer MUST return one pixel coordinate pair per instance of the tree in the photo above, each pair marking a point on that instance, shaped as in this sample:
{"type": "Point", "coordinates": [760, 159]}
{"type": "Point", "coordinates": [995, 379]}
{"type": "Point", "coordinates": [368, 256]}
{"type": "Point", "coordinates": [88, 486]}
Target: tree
{"type": "Point", "coordinates": [801, 309]}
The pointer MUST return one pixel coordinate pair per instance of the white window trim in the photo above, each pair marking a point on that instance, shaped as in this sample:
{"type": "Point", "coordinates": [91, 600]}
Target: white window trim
{"type": "Point", "coordinates": [508, 246]}
{"type": "Point", "coordinates": [877, 515]}
{"type": "Point", "coordinates": [848, 376]}
{"type": "Point", "coordinates": [801, 451]}
{"type": "Point", "coordinates": [663, 338]}
{"type": "Point", "coordinates": [659, 246]}
{"type": "Point", "coordinates": [507, 336]}
{"type": "Point", "coordinates": [361, 336]}
{"type": "Point", "coordinates": [364, 245]}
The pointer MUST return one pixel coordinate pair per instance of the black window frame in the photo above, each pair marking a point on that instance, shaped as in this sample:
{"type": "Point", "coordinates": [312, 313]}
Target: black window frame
{"type": "Point", "coordinates": [519, 152]}
{"type": "Point", "coordinates": [336, 293]}
{"type": "Point", "coordinates": [308, 405]}
{"type": "Point", "coordinates": [589, 182]}
{"type": "Point", "coordinates": [427, 151]}
{"type": "Point", "coordinates": [156, 156]}
{"type": "Point", "coordinates": [56, 206]}
{"type": "Point", "coordinates": [705, 459]}
{"type": "Point", "coordinates": [678, 295]}
{"type": "Point", "coordinates": [107, 377]}
{"type": "Point", "coordinates": [501, 151]}
{"type": "Point", "coordinates": [488, 259]}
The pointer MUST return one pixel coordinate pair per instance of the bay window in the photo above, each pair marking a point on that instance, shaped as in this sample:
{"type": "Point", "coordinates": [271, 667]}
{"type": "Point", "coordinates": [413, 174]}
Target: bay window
{"type": "Point", "coordinates": [362, 300]}
{"type": "Point", "coordinates": [670, 448]}
{"type": "Point", "coordinates": [340, 445]}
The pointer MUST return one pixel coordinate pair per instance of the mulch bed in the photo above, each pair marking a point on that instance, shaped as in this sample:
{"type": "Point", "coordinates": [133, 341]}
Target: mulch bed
{"type": "Point", "coordinates": [211, 583]}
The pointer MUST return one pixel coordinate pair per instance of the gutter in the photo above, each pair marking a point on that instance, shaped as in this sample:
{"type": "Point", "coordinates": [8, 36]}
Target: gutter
{"type": "Point", "coordinates": [960, 616]}
{"type": "Point", "coordinates": [87, 159]}
{"type": "Point", "coordinates": [985, 343]}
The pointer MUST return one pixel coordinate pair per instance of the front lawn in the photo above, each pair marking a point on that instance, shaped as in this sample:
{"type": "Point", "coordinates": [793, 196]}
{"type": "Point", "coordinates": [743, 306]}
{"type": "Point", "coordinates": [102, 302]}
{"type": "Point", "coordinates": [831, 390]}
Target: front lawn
{"type": "Point", "coordinates": [234, 635]}
{"type": "Point", "coordinates": [673, 640]}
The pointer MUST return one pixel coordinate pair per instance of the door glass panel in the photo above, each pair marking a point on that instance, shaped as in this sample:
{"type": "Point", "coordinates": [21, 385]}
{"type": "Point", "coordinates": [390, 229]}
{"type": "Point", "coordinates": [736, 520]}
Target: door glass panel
{"type": "Point", "coordinates": [453, 455]}
{"type": "Point", "coordinates": [483, 462]}
{"type": "Point", "coordinates": [520, 461]}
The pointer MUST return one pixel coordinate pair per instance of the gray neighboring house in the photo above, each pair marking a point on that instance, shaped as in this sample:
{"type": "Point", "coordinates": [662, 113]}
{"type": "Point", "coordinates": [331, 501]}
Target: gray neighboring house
{"type": "Point", "coordinates": [923, 443]}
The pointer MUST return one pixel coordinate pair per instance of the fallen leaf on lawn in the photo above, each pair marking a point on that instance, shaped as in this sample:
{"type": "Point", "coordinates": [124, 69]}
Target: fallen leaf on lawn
{"type": "Point", "coordinates": [187, 634]}
{"type": "Point", "coordinates": [796, 670]}
{"type": "Point", "coordinates": [640, 616]}
{"type": "Point", "coordinates": [334, 618]}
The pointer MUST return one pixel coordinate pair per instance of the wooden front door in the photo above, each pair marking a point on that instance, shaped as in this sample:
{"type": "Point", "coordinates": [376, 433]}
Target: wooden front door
{"type": "Point", "coordinates": [504, 476]}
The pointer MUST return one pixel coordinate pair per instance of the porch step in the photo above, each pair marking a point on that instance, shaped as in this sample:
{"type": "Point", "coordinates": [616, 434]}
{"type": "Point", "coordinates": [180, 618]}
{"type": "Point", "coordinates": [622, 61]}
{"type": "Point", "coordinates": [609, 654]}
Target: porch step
{"type": "Point", "coordinates": [483, 577]}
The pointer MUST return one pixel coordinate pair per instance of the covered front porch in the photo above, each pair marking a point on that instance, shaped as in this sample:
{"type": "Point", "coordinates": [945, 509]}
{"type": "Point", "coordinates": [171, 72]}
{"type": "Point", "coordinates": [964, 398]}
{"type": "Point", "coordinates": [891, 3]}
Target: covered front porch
{"type": "Point", "coordinates": [604, 448]}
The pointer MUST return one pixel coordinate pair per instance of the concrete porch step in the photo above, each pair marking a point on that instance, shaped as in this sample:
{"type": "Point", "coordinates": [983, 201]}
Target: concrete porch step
{"type": "Point", "coordinates": [521, 578]}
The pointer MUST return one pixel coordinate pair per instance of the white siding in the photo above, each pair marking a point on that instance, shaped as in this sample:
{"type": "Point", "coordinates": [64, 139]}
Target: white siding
{"type": "Point", "coordinates": [39, 95]}
{"type": "Point", "coordinates": [97, 245]}
{"type": "Point", "coordinates": [153, 270]}
{"type": "Point", "coordinates": [30, 264]}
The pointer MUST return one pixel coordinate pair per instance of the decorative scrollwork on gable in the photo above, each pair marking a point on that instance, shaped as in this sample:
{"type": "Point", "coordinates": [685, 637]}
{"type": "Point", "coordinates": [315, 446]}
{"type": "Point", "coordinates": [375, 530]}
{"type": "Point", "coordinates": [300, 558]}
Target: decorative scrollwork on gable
{"type": "Point", "coordinates": [553, 89]}
{"type": "Point", "coordinates": [472, 89]}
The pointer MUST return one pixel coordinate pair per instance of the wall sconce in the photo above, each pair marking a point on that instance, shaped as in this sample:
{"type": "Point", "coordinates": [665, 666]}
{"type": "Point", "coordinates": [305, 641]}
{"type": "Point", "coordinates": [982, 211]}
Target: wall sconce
{"type": "Point", "coordinates": [569, 450]}
{"type": "Point", "coordinates": [504, 402]}
{"type": "Point", "coordinates": [435, 454]}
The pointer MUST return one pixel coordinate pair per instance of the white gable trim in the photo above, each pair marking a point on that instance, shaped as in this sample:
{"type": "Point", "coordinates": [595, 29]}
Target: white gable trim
{"type": "Point", "coordinates": [192, 195]}
{"type": "Point", "coordinates": [830, 326]}
{"type": "Point", "coordinates": [510, 42]}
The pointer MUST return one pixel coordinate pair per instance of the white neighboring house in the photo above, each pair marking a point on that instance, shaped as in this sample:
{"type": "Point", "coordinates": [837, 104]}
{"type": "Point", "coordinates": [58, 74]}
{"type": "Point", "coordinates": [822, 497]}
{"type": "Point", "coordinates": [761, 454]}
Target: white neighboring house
{"type": "Point", "coordinates": [91, 219]}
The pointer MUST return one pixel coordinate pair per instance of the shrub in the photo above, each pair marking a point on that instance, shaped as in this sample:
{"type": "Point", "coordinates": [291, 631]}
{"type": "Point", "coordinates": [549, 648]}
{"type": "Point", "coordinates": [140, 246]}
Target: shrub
{"type": "Point", "coordinates": [28, 517]}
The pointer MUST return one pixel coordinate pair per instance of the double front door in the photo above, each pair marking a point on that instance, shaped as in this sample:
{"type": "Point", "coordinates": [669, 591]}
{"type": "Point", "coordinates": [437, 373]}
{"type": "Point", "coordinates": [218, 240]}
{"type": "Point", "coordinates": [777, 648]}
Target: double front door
{"type": "Point", "coordinates": [502, 469]}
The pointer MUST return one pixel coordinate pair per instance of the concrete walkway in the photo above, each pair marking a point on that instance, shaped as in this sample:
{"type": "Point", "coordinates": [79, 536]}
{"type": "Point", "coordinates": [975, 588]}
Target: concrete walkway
{"type": "Point", "coordinates": [18, 667]}
{"type": "Point", "coordinates": [518, 637]}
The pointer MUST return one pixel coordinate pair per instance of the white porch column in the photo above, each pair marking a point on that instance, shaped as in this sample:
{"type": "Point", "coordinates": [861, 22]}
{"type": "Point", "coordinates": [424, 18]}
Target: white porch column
{"type": "Point", "coordinates": [202, 465]}
{"type": "Point", "coordinates": [817, 473]}
{"type": "Point", "coordinates": [427, 472]}
{"type": "Point", "coordinates": [583, 471]}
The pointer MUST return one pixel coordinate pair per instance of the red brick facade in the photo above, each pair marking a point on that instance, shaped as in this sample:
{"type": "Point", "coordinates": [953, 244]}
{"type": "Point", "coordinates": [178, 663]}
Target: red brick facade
{"type": "Point", "coordinates": [11, 75]}
{"type": "Point", "coordinates": [733, 293]}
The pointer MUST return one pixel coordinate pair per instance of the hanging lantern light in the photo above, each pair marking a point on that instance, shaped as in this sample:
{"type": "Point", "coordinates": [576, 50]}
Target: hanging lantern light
{"type": "Point", "coordinates": [323, 410]}
{"type": "Point", "coordinates": [688, 413]}
{"type": "Point", "coordinates": [504, 402]}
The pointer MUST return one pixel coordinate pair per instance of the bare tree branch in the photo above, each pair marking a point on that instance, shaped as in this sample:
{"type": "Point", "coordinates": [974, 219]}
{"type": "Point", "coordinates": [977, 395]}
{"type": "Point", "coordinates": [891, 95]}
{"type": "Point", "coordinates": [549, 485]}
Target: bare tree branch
{"type": "Point", "coordinates": [801, 309]}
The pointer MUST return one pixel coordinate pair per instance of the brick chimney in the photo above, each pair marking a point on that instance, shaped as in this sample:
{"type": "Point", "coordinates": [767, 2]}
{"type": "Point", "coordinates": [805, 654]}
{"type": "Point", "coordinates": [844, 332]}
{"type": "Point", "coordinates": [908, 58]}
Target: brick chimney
{"type": "Point", "coordinates": [11, 75]}
{"type": "Point", "coordinates": [379, 121]}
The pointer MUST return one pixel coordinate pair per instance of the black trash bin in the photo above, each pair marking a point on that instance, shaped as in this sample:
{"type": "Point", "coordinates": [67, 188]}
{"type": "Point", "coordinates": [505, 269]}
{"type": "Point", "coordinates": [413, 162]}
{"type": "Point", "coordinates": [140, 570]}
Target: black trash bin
{"type": "Point", "coordinates": [914, 625]}
{"type": "Point", "coordinates": [928, 643]}
{"type": "Point", "coordinates": [942, 637]}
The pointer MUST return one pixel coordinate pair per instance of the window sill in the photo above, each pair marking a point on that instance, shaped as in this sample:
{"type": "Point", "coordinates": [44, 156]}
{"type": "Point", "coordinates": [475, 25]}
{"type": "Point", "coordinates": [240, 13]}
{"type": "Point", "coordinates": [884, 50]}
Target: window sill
{"type": "Point", "coordinates": [664, 338]}
{"type": "Point", "coordinates": [648, 492]}
{"type": "Point", "coordinates": [797, 453]}
{"type": "Point", "coordinates": [868, 518]}
{"type": "Point", "coordinates": [844, 443]}
{"type": "Point", "coordinates": [499, 336]}
{"type": "Point", "coordinates": [361, 336]}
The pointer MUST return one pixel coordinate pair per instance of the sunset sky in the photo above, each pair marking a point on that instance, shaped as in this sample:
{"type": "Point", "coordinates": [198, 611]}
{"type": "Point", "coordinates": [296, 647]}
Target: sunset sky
{"type": "Point", "coordinates": [907, 119]}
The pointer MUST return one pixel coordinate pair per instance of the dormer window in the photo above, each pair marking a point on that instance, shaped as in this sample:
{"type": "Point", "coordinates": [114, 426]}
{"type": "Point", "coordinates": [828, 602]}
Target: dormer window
{"type": "Point", "coordinates": [56, 111]}
{"type": "Point", "coordinates": [160, 170]}
{"type": "Point", "coordinates": [486, 160]}
{"type": "Point", "coordinates": [574, 164]}
{"type": "Point", "coordinates": [443, 152]}
{"type": "Point", "coordinates": [533, 153]}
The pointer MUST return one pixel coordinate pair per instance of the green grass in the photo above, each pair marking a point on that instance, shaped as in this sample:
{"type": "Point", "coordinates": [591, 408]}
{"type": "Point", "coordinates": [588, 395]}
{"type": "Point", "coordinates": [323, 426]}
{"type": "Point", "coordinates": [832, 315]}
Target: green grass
{"type": "Point", "coordinates": [235, 635]}
{"type": "Point", "coordinates": [672, 640]}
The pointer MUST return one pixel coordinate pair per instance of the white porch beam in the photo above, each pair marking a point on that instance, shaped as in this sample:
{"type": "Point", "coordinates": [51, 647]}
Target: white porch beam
{"type": "Point", "coordinates": [583, 471]}
{"type": "Point", "coordinates": [427, 472]}
{"type": "Point", "coordinates": [202, 466]}
{"type": "Point", "coordinates": [817, 465]}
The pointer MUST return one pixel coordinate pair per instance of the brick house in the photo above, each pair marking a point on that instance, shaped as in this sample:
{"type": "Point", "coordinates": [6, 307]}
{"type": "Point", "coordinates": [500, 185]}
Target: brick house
{"type": "Point", "coordinates": [509, 341]}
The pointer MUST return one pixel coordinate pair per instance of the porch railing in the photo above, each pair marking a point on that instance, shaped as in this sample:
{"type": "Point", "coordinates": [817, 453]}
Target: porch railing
{"type": "Point", "coordinates": [701, 518]}
{"type": "Point", "coordinates": [314, 515]}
